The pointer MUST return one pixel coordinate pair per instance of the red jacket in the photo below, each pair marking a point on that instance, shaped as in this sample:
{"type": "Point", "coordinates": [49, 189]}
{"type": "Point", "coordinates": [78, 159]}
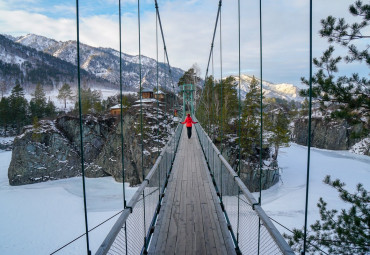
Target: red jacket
{"type": "Point", "coordinates": [189, 121]}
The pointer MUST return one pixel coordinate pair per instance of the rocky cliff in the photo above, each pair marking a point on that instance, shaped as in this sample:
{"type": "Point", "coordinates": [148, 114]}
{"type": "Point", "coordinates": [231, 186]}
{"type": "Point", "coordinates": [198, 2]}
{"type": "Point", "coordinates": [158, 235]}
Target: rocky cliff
{"type": "Point", "coordinates": [52, 150]}
{"type": "Point", "coordinates": [327, 134]}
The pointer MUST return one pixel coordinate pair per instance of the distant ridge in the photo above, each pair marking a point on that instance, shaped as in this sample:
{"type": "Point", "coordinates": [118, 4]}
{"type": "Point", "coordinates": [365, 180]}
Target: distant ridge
{"type": "Point", "coordinates": [101, 64]}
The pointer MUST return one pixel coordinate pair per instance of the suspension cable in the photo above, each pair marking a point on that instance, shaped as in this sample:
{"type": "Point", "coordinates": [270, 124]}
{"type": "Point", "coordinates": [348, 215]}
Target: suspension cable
{"type": "Point", "coordinates": [81, 127]}
{"type": "Point", "coordinates": [120, 86]}
{"type": "Point", "coordinates": [222, 123]}
{"type": "Point", "coordinates": [141, 108]}
{"type": "Point", "coordinates": [261, 127]}
{"type": "Point", "coordinates": [156, 45]}
{"type": "Point", "coordinates": [239, 129]}
{"type": "Point", "coordinates": [309, 138]}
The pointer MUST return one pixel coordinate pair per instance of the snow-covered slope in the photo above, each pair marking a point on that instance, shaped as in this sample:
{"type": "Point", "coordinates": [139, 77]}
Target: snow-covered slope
{"type": "Point", "coordinates": [31, 215]}
{"type": "Point", "coordinates": [104, 62]}
{"type": "Point", "coordinates": [283, 90]}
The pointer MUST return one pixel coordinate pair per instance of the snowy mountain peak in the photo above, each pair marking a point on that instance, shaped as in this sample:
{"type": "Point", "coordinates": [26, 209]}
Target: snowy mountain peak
{"type": "Point", "coordinates": [37, 42]}
{"type": "Point", "coordinates": [103, 63]}
{"type": "Point", "coordinates": [282, 90]}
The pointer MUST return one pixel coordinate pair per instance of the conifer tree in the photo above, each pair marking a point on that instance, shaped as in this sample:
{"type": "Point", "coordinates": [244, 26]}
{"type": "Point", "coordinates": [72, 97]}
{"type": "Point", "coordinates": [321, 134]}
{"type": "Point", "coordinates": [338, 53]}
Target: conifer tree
{"type": "Point", "coordinates": [3, 88]}
{"type": "Point", "coordinates": [5, 116]}
{"type": "Point", "coordinates": [348, 97]}
{"type": "Point", "coordinates": [90, 101]}
{"type": "Point", "coordinates": [18, 106]}
{"type": "Point", "coordinates": [189, 77]}
{"type": "Point", "coordinates": [341, 233]}
{"type": "Point", "coordinates": [65, 93]}
{"type": "Point", "coordinates": [38, 102]}
{"type": "Point", "coordinates": [250, 132]}
{"type": "Point", "coordinates": [279, 128]}
{"type": "Point", "coordinates": [36, 135]}
{"type": "Point", "coordinates": [50, 109]}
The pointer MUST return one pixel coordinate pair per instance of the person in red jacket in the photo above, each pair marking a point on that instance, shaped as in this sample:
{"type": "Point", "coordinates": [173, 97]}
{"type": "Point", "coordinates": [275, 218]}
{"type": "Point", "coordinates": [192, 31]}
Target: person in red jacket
{"type": "Point", "coordinates": [189, 121]}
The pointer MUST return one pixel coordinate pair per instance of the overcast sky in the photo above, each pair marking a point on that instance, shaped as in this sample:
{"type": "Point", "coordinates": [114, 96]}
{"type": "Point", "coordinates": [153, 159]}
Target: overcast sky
{"type": "Point", "coordinates": [188, 27]}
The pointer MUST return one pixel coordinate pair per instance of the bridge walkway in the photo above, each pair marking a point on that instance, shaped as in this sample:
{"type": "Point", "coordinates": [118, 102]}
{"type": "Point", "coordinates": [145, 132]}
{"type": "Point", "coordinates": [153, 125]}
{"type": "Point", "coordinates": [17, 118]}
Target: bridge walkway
{"type": "Point", "coordinates": [190, 220]}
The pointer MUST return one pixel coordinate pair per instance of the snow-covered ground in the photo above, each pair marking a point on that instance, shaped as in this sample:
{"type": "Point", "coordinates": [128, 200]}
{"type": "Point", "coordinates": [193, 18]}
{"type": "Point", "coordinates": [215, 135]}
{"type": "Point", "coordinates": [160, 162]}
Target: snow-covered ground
{"type": "Point", "coordinates": [39, 218]}
{"type": "Point", "coordinates": [285, 202]}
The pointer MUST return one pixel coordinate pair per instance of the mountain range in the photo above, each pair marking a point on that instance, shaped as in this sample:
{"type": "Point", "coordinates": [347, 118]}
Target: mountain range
{"type": "Point", "coordinates": [33, 59]}
{"type": "Point", "coordinates": [25, 56]}
{"type": "Point", "coordinates": [282, 90]}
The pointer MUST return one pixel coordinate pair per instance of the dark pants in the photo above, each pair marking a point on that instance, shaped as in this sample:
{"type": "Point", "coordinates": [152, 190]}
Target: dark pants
{"type": "Point", "coordinates": [189, 131]}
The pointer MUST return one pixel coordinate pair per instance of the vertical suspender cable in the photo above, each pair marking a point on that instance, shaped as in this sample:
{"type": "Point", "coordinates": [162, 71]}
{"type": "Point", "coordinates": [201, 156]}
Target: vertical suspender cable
{"type": "Point", "coordinates": [81, 128]}
{"type": "Point", "coordinates": [221, 101]}
{"type": "Point", "coordinates": [222, 124]}
{"type": "Point", "coordinates": [261, 129]}
{"type": "Point", "coordinates": [156, 44]}
{"type": "Point", "coordinates": [120, 86]}
{"type": "Point", "coordinates": [141, 113]}
{"type": "Point", "coordinates": [122, 140]}
{"type": "Point", "coordinates": [309, 138]}
{"type": "Point", "coordinates": [239, 129]}
{"type": "Point", "coordinates": [213, 92]}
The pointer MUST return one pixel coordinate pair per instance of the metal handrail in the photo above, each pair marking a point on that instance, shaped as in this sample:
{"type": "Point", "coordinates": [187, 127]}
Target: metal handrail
{"type": "Point", "coordinates": [274, 233]}
{"type": "Point", "coordinates": [130, 208]}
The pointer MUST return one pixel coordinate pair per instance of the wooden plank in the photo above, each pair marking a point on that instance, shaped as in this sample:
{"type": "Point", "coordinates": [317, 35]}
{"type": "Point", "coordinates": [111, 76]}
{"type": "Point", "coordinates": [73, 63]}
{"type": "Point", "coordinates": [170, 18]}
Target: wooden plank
{"type": "Point", "coordinates": [188, 222]}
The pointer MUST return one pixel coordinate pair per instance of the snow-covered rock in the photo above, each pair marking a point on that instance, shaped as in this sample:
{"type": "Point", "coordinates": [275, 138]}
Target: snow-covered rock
{"type": "Point", "coordinates": [362, 147]}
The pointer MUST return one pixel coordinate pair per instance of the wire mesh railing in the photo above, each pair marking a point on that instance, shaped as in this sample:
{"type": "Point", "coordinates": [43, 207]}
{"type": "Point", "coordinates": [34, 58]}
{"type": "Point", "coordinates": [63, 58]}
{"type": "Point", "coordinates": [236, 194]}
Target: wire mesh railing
{"type": "Point", "coordinates": [132, 231]}
{"type": "Point", "coordinates": [251, 229]}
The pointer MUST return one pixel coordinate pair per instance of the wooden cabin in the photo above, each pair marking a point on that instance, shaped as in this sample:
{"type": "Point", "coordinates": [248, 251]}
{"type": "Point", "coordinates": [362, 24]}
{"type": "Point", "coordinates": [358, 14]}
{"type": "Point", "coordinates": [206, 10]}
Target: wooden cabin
{"type": "Point", "coordinates": [160, 95]}
{"type": "Point", "coordinates": [116, 110]}
{"type": "Point", "coordinates": [147, 93]}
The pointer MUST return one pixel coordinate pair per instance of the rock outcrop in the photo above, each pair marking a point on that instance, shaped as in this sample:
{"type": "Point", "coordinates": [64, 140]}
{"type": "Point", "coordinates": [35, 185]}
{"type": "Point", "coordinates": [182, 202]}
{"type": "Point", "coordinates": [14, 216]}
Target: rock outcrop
{"type": "Point", "coordinates": [327, 134]}
{"type": "Point", "coordinates": [52, 150]}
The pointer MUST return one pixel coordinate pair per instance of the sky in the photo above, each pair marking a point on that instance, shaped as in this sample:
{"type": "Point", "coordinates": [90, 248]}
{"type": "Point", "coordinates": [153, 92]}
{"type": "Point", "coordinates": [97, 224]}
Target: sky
{"type": "Point", "coordinates": [188, 27]}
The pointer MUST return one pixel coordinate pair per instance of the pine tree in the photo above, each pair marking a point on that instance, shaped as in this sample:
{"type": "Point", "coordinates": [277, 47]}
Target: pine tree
{"type": "Point", "coordinates": [5, 113]}
{"type": "Point", "coordinates": [38, 103]}
{"type": "Point", "coordinates": [347, 97]}
{"type": "Point", "coordinates": [90, 101]}
{"type": "Point", "coordinates": [344, 233]}
{"type": "Point", "coordinates": [36, 135]}
{"type": "Point", "coordinates": [250, 132]}
{"type": "Point", "coordinates": [50, 109]}
{"type": "Point", "coordinates": [279, 128]}
{"type": "Point", "coordinates": [65, 93]}
{"type": "Point", "coordinates": [189, 77]}
{"type": "Point", "coordinates": [18, 107]}
{"type": "Point", "coordinates": [3, 88]}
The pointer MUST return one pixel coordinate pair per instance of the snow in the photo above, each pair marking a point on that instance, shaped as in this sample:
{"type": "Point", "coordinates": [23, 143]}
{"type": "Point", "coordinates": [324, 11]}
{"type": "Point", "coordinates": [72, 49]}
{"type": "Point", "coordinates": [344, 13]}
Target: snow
{"type": "Point", "coordinates": [285, 201]}
{"type": "Point", "coordinates": [147, 100]}
{"type": "Point", "coordinates": [361, 147]}
{"type": "Point", "coordinates": [40, 218]}
{"type": "Point", "coordinates": [5, 140]}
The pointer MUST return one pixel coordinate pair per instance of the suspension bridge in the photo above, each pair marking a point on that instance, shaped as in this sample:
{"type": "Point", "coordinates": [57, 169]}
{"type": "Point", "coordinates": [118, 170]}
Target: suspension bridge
{"type": "Point", "coordinates": [191, 201]}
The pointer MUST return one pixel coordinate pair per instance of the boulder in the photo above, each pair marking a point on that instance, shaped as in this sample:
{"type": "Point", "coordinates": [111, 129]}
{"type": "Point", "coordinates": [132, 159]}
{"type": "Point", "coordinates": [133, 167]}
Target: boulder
{"type": "Point", "coordinates": [52, 150]}
{"type": "Point", "coordinates": [42, 155]}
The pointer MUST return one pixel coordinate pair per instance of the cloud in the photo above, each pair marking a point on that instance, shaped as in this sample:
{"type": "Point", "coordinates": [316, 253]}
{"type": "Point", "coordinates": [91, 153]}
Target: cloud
{"type": "Point", "coordinates": [188, 28]}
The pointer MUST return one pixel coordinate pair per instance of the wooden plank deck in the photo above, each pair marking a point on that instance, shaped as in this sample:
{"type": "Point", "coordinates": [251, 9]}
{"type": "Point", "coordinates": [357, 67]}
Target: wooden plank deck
{"type": "Point", "coordinates": [190, 220]}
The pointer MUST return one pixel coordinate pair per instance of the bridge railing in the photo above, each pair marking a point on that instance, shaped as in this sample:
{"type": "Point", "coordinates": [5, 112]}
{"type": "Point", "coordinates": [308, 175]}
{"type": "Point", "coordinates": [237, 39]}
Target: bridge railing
{"type": "Point", "coordinates": [131, 232]}
{"type": "Point", "coordinates": [251, 229]}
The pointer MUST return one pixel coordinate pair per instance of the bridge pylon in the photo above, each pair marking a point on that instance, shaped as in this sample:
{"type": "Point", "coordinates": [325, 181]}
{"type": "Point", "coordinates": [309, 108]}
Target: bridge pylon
{"type": "Point", "coordinates": [188, 98]}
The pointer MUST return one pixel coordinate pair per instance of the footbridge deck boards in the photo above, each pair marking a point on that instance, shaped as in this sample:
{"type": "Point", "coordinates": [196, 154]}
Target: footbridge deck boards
{"type": "Point", "coordinates": [190, 220]}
